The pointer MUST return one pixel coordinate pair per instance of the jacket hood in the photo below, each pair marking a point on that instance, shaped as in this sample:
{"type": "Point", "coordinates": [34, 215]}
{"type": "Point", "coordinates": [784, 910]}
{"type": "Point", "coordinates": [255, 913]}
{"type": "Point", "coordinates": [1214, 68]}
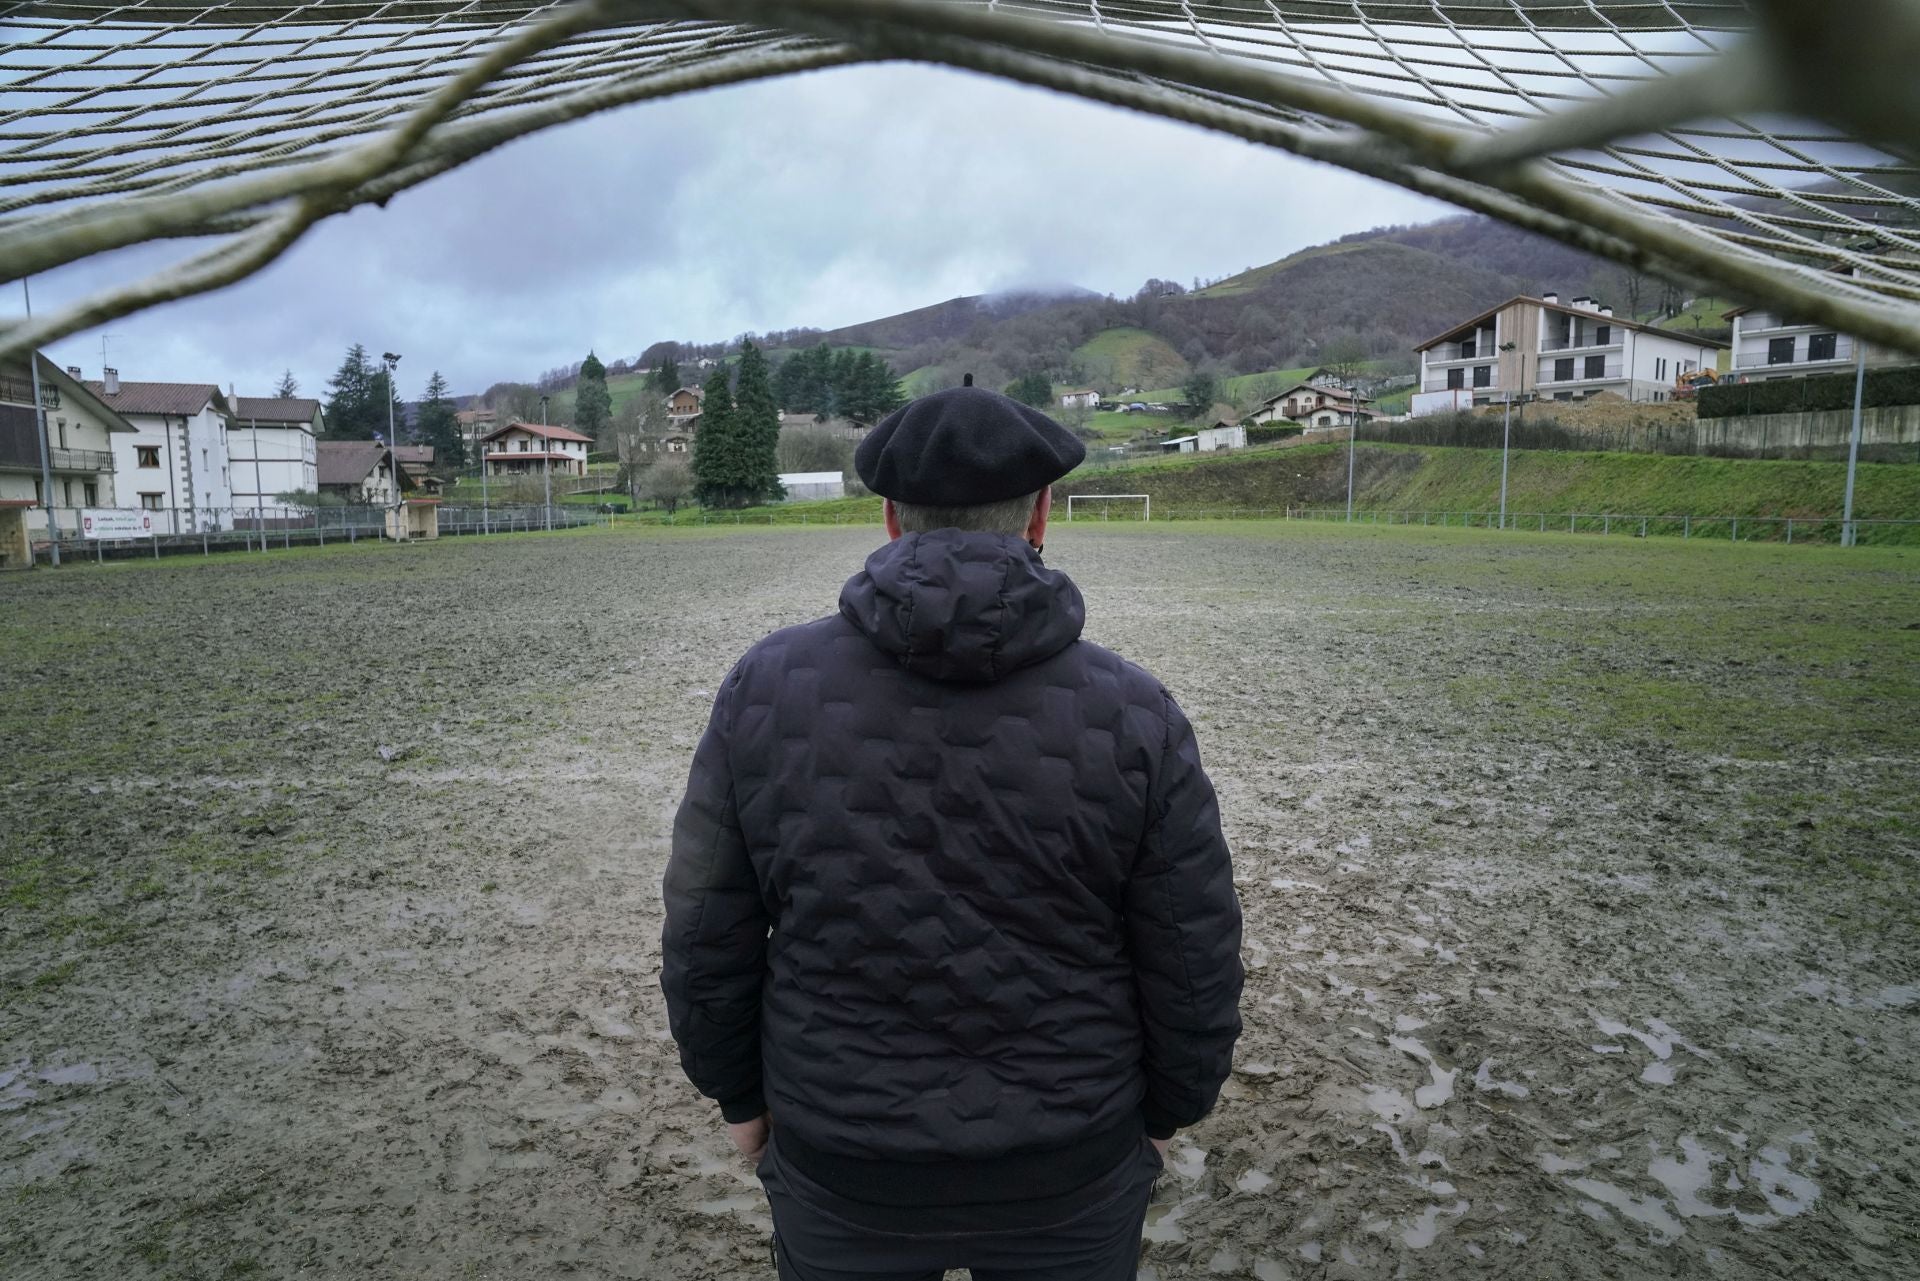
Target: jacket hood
{"type": "Point", "coordinates": [957, 606]}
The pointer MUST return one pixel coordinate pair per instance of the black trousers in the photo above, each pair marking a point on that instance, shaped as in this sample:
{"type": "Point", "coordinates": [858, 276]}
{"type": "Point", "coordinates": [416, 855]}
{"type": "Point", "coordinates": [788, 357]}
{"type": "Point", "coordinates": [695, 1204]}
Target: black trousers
{"type": "Point", "coordinates": [1090, 1234]}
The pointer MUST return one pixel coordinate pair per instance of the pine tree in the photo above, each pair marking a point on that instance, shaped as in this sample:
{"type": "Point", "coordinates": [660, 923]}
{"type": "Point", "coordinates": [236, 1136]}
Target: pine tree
{"type": "Point", "coordinates": [1031, 388]}
{"type": "Point", "coordinates": [842, 394]}
{"type": "Point", "coordinates": [287, 387]}
{"type": "Point", "coordinates": [756, 418]}
{"type": "Point", "coordinates": [717, 469]}
{"type": "Point", "coordinates": [592, 404]}
{"type": "Point", "coordinates": [790, 384]}
{"type": "Point", "coordinates": [876, 392]}
{"type": "Point", "coordinates": [438, 427]}
{"type": "Point", "coordinates": [350, 398]}
{"type": "Point", "coordinates": [666, 376]}
{"type": "Point", "coordinates": [381, 390]}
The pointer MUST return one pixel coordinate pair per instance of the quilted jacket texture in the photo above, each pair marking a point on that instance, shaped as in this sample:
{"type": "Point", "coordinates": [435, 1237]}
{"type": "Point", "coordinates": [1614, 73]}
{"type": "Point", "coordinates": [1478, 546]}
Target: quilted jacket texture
{"type": "Point", "coordinates": [948, 883]}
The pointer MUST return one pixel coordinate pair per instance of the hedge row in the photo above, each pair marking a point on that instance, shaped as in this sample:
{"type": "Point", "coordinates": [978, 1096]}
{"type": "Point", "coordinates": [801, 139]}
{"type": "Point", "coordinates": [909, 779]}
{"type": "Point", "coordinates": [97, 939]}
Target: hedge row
{"type": "Point", "coordinates": [1805, 395]}
{"type": "Point", "coordinates": [1267, 433]}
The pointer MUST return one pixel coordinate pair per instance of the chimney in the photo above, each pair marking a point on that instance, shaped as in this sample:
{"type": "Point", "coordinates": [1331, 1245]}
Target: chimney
{"type": "Point", "coordinates": [1583, 301]}
{"type": "Point", "coordinates": [110, 380]}
{"type": "Point", "coordinates": [1606, 311]}
{"type": "Point", "coordinates": [74, 370]}
{"type": "Point", "coordinates": [1550, 296]}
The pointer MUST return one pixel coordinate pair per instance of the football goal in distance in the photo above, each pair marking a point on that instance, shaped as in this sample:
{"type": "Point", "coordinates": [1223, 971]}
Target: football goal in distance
{"type": "Point", "coordinates": [1146, 503]}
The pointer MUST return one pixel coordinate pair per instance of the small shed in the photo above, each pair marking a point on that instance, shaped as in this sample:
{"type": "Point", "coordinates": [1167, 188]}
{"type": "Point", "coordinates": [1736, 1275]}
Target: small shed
{"type": "Point", "coordinates": [15, 551]}
{"type": "Point", "coordinates": [415, 518]}
{"type": "Point", "coordinates": [804, 485]}
{"type": "Point", "coordinates": [1180, 445]}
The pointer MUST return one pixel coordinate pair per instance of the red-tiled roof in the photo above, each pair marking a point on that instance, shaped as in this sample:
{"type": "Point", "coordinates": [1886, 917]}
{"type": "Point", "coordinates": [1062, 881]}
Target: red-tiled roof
{"type": "Point", "coordinates": [547, 430]}
{"type": "Point", "coordinates": [276, 409]}
{"type": "Point", "coordinates": [414, 455]}
{"type": "Point", "coordinates": [184, 399]}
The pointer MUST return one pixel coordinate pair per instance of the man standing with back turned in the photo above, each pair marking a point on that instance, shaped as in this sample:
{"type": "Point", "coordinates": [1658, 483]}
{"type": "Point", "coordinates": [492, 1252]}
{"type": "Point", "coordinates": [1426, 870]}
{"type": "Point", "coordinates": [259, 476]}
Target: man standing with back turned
{"type": "Point", "coordinates": [951, 933]}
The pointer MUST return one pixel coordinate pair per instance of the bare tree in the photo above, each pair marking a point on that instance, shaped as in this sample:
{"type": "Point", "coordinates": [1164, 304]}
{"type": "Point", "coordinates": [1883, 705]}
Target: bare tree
{"type": "Point", "coordinates": [668, 482]}
{"type": "Point", "coordinates": [636, 426]}
{"type": "Point", "coordinates": [817, 448]}
{"type": "Point", "coordinates": [1345, 357]}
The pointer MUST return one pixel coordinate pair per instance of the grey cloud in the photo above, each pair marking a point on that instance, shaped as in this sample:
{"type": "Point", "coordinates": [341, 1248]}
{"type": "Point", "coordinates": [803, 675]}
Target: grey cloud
{"type": "Point", "coordinates": [821, 199]}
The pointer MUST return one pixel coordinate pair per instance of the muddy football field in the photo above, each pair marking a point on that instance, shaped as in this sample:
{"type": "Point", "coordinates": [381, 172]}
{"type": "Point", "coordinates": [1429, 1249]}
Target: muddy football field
{"type": "Point", "coordinates": [1579, 875]}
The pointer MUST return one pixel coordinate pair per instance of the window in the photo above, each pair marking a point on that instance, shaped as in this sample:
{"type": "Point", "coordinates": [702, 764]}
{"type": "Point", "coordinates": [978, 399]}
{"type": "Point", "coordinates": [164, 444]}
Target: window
{"type": "Point", "coordinates": [1483, 375]}
{"type": "Point", "coordinates": [63, 444]}
{"type": "Point", "coordinates": [1603, 335]}
{"type": "Point", "coordinates": [203, 460]}
{"type": "Point", "coordinates": [93, 494]}
{"type": "Point", "coordinates": [1596, 366]}
{"type": "Point", "coordinates": [149, 455]}
{"type": "Point", "coordinates": [1780, 351]}
{"type": "Point", "coordinates": [1563, 395]}
{"type": "Point", "coordinates": [1468, 350]}
{"type": "Point", "coordinates": [66, 487]}
{"type": "Point", "coordinates": [1563, 370]}
{"type": "Point", "coordinates": [1456, 379]}
{"type": "Point", "coordinates": [523, 444]}
{"type": "Point", "coordinates": [39, 495]}
{"type": "Point", "coordinates": [1822, 346]}
{"type": "Point", "coordinates": [150, 501]}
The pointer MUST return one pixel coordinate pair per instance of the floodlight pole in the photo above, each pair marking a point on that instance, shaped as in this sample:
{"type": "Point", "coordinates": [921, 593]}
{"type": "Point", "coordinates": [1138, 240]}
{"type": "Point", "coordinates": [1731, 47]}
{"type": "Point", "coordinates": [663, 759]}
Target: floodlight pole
{"type": "Point", "coordinates": [546, 454]}
{"type": "Point", "coordinates": [1353, 434]}
{"type": "Point", "coordinates": [40, 420]}
{"type": "Point", "coordinates": [393, 451]}
{"type": "Point", "coordinates": [1506, 445]}
{"type": "Point", "coordinates": [1847, 533]}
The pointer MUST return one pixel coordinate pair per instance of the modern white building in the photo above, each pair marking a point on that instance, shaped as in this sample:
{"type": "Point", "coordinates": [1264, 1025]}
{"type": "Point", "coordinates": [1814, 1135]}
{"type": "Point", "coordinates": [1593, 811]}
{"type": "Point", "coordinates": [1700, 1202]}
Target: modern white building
{"type": "Point", "coordinates": [79, 439]}
{"type": "Point", "coordinates": [802, 486]}
{"type": "Point", "coordinates": [1079, 398]}
{"type": "Point", "coordinates": [533, 448]}
{"type": "Point", "coordinates": [1767, 345]}
{"type": "Point", "coordinates": [273, 447]}
{"type": "Point", "coordinates": [175, 462]}
{"type": "Point", "coordinates": [1559, 351]}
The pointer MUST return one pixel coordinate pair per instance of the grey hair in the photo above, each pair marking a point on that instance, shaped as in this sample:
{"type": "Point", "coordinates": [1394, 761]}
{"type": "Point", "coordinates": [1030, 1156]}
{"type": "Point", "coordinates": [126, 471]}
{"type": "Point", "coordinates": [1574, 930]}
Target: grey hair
{"type": "Point", "coordinates": [1008, 516]}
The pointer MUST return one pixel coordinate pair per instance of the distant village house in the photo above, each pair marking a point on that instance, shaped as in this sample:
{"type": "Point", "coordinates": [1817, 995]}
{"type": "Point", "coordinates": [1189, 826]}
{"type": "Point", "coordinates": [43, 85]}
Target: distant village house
{"type": "Point", "coordinates": [1079, 398]}
{"type": "Point", "coordinates": [520, 449]}
{"type": "Point", "coordinates": [81, 430]}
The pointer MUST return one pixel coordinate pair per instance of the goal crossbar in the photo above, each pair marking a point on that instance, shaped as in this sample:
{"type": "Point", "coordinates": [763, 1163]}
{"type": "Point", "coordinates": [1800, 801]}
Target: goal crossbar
{"type": "Point", "coordinates": [1146, 500]}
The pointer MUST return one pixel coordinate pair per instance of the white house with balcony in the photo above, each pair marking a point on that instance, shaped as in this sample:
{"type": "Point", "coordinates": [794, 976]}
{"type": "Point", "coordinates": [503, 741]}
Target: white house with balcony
{"type": "Point", "coordinates": [1767, 345]}
{"type": "Point", "coordinates": [80, 434]}
{"type": "Point", "coordinates": [1543, 349]}
{"type": "Point", "coordinates": [176, 462]}
{"type": "Point", "coordinates": [273, 442]}
{"type": "Point", "coordinates": [533, 448]}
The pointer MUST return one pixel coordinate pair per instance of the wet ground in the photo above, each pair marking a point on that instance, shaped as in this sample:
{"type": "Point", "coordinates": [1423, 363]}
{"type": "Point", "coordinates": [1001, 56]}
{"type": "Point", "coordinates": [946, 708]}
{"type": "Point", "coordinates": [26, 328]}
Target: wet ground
{"type": "Point", "coordinates": [1579, 880]}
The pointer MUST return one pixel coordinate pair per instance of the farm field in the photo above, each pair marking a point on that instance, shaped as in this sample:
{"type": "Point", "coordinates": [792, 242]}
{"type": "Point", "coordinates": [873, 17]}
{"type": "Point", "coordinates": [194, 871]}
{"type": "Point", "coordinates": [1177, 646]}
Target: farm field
{"type": "Point", "coordinates": [1580, 880]}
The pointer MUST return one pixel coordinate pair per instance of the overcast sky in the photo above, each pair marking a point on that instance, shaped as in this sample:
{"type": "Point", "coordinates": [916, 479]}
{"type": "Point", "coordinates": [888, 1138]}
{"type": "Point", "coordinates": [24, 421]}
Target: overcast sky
{"type": "Point", "coordinates": [820, 200]}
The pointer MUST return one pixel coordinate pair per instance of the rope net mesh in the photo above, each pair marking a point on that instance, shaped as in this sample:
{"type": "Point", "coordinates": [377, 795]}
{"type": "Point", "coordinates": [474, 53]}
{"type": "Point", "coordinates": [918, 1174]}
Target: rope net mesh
{"type": "Point", "coordinates": [1709, 140]}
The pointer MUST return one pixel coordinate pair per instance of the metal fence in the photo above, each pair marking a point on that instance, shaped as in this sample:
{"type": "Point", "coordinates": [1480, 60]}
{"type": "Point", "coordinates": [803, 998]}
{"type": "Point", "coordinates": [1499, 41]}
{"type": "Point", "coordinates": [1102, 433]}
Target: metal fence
{"type": "Point", "coordinates": [206, 530]}
{"type": "Point", "coordinates": [1829, 530]}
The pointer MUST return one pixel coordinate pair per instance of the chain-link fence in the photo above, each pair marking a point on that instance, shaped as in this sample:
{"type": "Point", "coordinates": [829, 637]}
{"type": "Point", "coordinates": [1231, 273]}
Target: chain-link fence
{"type": "Point", "coordinates": [102, 534]}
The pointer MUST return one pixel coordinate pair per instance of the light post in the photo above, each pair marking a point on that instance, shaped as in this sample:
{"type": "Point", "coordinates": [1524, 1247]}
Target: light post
{"type": "Point", "coordinates": [1849, 535]}
{"type": "Point", "coordinates": [1506, 441]}
{"type": "Point", "coordinates": [480, 443]}
{"type": "Point", "coordinates": [392, 358]}
{"type": "Point", "coordinates": [40, 422]}
{"type": "Point", "coordinates": [1353, 434]}
{"type": "Point", "coordinates": [546, 459]}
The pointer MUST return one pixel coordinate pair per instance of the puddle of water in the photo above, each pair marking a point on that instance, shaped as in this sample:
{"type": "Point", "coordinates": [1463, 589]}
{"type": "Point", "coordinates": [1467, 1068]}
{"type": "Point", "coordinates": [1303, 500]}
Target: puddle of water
{"type": "Point", "coordinates": [1483, 1081]}
{"type": "Point", "coordinates": [1253, 1181]}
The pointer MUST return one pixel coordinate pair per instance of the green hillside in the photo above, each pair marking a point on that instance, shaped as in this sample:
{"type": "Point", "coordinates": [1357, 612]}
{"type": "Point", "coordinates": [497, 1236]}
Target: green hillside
{"type": "Point", "coordinates": [1410, 478]}
{"type": "Point", "coordinates": [1129, 357]}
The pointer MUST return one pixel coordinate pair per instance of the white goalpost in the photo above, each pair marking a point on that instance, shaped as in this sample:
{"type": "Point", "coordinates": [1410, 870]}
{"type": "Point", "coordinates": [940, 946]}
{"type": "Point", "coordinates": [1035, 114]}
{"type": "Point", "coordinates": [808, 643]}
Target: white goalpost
{"type": "Point", "coordinates": [1145, 501]}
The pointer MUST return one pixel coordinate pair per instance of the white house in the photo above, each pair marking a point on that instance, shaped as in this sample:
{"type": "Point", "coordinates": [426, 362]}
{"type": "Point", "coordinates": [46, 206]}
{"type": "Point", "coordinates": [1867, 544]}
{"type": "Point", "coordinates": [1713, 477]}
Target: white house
{"type": "Point", "coordinates": [1318, 400]}
{"type": "Point", "coordinates": [1079, 398]}
{"type": "Point", "coordinates": [175, 461]}
{"type": "Point", "coordinates": [1767, 345]}
{"type": "Point", "coordinates": [1560, 351]}
{"type": "Point", "coordinates": [804, 485]}
{"type": "Point", "coordinates": [79, 440]}
{"type": "Point", "coordinates": [273, 443]}
{"type": "Point", "coordinates": [360, 471]}
{"type": "Point", "coordinates": [533, 448]}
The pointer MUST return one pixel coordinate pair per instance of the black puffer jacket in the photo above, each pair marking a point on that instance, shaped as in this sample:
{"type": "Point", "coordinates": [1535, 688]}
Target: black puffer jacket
{"type": "Point", "coordinates": [948, 893]}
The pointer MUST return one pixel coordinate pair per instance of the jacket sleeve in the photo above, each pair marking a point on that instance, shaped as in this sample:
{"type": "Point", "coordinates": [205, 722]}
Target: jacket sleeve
{"type": "Point", "coordinates": [714, 945]}
{"type": "Point", "coordinates": [1183, 926]}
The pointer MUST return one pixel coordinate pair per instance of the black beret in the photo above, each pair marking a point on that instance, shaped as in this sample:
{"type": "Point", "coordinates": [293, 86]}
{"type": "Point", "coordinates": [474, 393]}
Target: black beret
{"type": "Point", "coordinates": [963, 447]}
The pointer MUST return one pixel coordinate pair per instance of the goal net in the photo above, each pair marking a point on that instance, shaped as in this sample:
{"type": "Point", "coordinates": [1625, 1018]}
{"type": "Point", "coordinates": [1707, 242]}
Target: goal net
{"type": "Point", "coordinates": [1103, 505]}
{"type": "Point", "coordinates": [1764, 148]}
